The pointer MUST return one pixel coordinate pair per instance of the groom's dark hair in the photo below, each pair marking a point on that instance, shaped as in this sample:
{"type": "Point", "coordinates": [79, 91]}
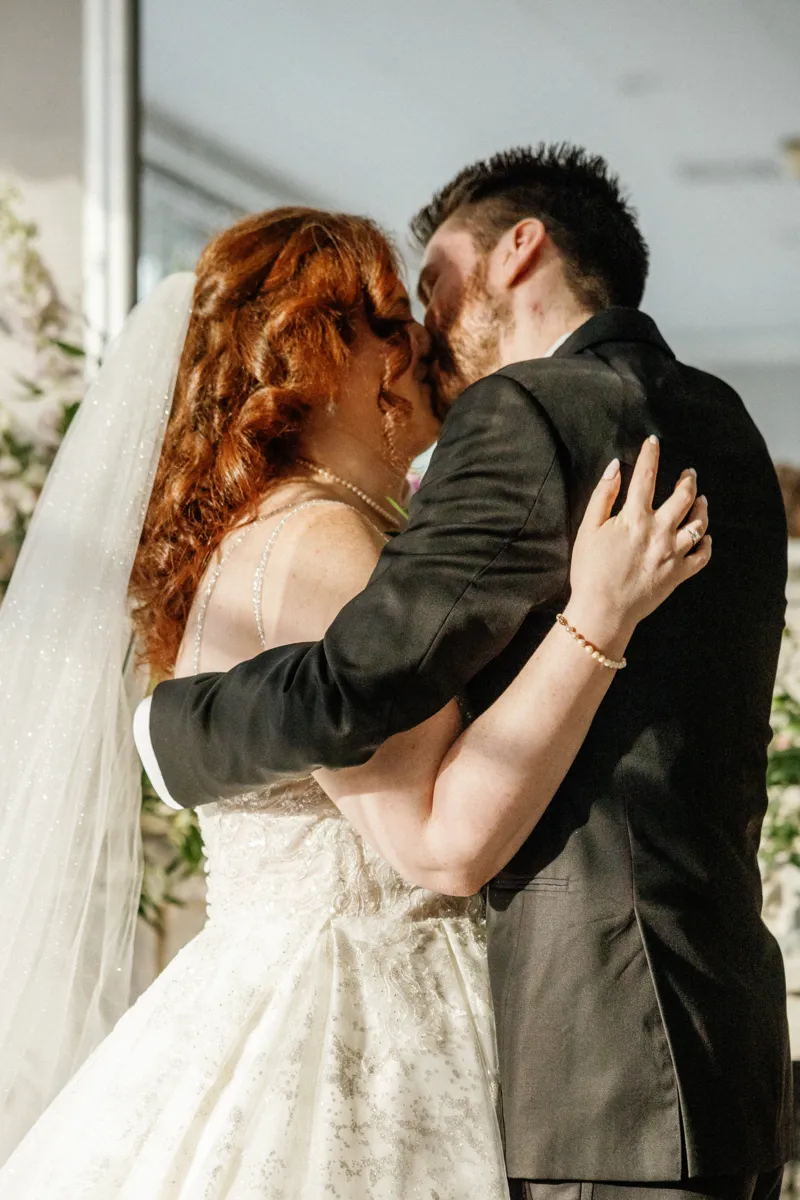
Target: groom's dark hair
{"type": "Point", "coordinates": [577, 198]}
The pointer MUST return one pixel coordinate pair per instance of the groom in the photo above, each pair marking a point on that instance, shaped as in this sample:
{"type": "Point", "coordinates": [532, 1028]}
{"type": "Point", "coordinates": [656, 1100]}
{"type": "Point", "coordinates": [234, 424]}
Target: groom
{"type": "Point", "coordinates": [640, 1000]}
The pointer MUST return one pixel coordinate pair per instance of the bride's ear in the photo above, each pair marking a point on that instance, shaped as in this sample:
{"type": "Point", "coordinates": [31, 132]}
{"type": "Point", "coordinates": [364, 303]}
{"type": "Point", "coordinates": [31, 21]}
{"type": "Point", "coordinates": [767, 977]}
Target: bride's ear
{"type": "Point", "coordinates": [518, 251]}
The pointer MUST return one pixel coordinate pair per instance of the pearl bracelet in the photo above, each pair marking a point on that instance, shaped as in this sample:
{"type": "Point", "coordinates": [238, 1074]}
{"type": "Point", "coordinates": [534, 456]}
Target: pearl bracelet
{"type": "Point", "coordinates": [596, 654]}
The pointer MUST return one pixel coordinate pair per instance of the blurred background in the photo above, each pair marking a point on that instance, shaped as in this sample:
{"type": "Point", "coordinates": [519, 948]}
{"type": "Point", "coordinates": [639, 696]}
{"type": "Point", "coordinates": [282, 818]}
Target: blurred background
{"type": "Point", "coordinates": [370, 107]}
{"type": "Point", "coordinates": [130, 133]}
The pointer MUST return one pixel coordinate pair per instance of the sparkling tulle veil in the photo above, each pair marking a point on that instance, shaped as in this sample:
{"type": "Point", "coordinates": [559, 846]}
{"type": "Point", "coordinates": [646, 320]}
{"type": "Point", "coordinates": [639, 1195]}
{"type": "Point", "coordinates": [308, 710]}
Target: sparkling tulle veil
{"type": "Point", "coordinates": [70, 867]}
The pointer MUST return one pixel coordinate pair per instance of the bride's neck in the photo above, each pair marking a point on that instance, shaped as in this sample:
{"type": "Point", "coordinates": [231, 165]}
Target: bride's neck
{"type": "Point", "coordinates": [357, 461]}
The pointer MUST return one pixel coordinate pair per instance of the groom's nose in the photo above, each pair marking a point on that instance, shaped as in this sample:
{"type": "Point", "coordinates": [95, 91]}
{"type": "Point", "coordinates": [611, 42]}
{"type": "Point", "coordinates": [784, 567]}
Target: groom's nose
{"type": "Point", "coordinates": [422, 340]}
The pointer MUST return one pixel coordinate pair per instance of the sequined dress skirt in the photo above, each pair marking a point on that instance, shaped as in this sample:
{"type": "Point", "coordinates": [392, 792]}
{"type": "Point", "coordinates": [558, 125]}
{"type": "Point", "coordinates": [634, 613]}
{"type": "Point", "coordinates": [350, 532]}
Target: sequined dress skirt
{"type": "Point", "coordinates": [328, 1034]}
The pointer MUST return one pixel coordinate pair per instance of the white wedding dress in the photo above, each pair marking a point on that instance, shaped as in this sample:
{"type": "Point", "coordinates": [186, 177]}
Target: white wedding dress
{"type": "Point", "coordinates": [329, 1034]}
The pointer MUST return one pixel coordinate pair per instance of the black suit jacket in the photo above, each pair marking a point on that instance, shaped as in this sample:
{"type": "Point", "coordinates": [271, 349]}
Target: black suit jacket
{"type": "Point", "coordinates": [640, 999]}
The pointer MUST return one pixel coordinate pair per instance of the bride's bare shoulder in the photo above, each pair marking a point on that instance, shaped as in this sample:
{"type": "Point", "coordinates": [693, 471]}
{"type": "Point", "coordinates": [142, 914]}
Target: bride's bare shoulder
{"type": "Point", "coordinates": [326, 526]}
{"type": "Point", "coordinates": [322, 559]}
{"type": "Point", "coordinates": [317, 561]}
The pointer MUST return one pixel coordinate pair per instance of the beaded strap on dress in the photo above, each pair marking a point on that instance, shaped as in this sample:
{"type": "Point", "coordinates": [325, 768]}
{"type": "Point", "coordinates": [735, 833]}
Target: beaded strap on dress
{"type": "Point", "coordinates": [287, 790]}
{"type": "Point", "coordinates": [266, 796]}
{"type": "Point", "coordinates": [288, 511]}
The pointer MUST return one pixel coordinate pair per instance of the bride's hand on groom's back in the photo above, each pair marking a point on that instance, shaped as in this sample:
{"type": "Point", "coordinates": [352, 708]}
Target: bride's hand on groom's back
{"type": "Point", "coordinates": [624, 566]}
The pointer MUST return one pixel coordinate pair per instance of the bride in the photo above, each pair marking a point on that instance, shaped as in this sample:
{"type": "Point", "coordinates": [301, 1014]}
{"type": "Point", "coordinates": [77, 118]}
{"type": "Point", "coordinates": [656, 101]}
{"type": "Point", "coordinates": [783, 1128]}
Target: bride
{"type": "Point", "coordinates": [228, 486]}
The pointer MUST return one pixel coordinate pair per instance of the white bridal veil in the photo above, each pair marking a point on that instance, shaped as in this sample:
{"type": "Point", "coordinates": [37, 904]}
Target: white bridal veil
{"type": "Point", "coordinates": [70, 864]}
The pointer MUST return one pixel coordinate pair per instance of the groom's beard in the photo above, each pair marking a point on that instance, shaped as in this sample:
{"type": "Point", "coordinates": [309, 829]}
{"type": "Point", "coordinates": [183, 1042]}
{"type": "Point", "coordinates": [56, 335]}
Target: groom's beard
{"type": "Point", "coordinates": [465, 343]}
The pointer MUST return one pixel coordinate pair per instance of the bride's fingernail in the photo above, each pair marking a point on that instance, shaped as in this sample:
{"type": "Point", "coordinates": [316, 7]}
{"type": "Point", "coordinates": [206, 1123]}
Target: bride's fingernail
{"type": "Point", "coordinates": [653, 440]}
{"type": "Point", "coordinates": [612, 469]}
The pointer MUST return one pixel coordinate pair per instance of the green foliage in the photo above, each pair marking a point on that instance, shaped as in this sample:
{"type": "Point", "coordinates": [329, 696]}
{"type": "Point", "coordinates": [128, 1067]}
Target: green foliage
{"type": "Point", "coordinates": [67, 348]}
{"type": "Point", "coordinates": [784, 767]}
{"type": "Point", "coordinates": [780, 840]}
{"type": "Point", "coordinates": [67, 414]}
{"type": "Point", "coordinates": [41, 326]}
{"type": "Point", "coordinates": [403, 512]}
{"type": "Point", "coordinates": [173, 853]}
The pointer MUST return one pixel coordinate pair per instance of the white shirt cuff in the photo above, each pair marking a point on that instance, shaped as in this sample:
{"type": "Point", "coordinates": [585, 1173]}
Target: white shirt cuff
{"type": "Point", "coordinates": [141, 736]}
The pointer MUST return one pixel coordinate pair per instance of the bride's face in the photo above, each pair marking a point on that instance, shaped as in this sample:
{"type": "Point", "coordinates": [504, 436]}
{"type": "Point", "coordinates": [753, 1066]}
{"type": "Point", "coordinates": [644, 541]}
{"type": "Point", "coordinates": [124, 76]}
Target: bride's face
{"type": "Point", "coordinates": [417, 428]}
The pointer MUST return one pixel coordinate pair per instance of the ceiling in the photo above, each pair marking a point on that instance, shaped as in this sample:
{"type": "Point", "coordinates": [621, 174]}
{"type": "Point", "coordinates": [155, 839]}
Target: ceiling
{"type": "Point", "coordinates": [370, 105]}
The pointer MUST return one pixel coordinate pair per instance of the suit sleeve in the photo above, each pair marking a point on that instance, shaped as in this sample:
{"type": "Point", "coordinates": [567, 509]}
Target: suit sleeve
{"type": "Point", "coordinates": [487, 542]}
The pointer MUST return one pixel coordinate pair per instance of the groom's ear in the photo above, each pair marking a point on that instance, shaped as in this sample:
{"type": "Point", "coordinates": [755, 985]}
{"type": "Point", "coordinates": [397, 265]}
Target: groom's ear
{"type": "Point", "coordinates": [518, 251]}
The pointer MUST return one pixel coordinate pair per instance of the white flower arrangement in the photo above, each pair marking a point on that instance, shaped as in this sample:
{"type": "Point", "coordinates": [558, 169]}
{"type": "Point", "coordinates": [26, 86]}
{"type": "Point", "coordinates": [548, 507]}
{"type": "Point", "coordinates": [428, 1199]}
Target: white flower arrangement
{"type": "Point", "coordinates": [44, 329]}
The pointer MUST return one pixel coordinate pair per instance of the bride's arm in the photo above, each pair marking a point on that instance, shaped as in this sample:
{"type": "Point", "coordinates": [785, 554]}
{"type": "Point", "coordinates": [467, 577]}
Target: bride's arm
{"type": "Point", "coordinates": [448, 811]}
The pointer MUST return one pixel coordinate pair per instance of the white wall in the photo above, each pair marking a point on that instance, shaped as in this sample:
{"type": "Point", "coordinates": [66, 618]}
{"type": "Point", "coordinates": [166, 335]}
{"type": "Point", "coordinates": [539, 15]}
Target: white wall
{"type": "Point", "coordinates": [771, 392]}
{"type": "Point", "coordinates": [41, 123]}
{"type": "Point", "coordinates": [41, 138]}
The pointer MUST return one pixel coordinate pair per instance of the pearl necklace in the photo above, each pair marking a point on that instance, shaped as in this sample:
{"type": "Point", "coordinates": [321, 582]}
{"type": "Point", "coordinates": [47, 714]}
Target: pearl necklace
{"type": "Point", "coordinates": [387, 516]}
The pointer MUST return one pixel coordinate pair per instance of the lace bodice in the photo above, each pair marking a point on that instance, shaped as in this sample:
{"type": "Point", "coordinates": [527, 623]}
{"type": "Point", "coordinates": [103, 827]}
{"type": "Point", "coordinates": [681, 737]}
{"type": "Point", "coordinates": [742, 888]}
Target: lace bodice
{"type": "Point", "coordinates": [288, 851]}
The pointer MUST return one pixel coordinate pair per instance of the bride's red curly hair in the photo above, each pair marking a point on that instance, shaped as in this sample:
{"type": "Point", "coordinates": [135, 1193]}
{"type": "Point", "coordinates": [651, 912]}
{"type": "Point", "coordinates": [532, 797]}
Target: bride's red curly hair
{"type": "Point", "coordinates": [277, 306]}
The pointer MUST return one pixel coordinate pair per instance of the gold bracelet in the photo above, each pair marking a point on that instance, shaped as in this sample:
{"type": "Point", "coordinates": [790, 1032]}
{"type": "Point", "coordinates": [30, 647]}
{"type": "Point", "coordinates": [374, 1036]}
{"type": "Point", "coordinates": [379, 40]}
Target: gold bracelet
{"type": "Point", "coordinates": [596, 654]}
